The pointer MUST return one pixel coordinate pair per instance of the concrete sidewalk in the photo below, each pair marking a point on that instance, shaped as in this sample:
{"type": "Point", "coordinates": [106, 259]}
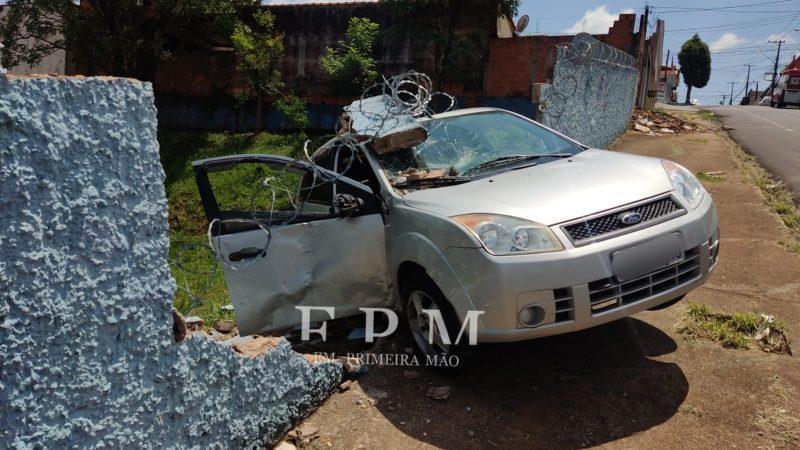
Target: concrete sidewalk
{"type": "Point", "coordinates": [630, 384]}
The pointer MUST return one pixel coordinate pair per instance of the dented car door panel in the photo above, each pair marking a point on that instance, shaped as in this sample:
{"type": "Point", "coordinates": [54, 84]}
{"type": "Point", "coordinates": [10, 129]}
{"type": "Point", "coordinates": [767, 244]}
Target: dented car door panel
{"type": "Point", "coordinates": [335, 262]}
{"type": "Point", "coordinates": [297, 235]}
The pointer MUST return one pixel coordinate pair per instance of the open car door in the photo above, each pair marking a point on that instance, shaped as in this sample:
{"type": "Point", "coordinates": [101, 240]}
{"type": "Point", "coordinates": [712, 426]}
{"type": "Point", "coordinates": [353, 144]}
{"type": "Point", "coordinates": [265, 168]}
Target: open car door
{"type": "Point", "coordinates": [288, 233]}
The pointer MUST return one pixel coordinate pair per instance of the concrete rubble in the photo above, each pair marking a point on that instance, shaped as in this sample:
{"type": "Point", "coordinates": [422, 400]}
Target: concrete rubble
{"type": "Point", "coordinates": [658, 123]}
{"type": "Point", "coordinates": [88, 351]}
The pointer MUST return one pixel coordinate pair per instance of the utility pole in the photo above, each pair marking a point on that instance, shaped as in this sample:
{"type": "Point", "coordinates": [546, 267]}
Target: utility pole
{"type": "Point", "coordinates": [642, 91]}
{"type": "Point", "coordinates": [724, 96]}
{"type": "Point", "coordinates": [747, 83]}
{"type": "Point", "coordinates": [757, 99]}
{"type": "Point", "coordinates": [775, 69]}
{"type": "Point", "coordinates": [730, 99]}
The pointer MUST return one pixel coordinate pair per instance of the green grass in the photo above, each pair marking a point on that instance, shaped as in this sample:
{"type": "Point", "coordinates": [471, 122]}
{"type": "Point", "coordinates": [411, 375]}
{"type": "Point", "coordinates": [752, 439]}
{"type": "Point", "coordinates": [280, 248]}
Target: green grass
{"type": "Point", "coordinates": [201, 286]}
{"type": "Point", "coordinates": [777, 196]}
{"type": "Point", "coordinates": [709, 177]}
{"type": "Point", "coordinates": [737, 330]}
{"type": "Point", "coordinates": [707, 115]}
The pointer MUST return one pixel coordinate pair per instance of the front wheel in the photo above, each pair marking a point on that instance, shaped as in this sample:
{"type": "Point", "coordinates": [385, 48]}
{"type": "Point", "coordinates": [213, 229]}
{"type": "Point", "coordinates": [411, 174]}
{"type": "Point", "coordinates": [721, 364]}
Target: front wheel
{"type": "Point", "coordinates": [420, 293]}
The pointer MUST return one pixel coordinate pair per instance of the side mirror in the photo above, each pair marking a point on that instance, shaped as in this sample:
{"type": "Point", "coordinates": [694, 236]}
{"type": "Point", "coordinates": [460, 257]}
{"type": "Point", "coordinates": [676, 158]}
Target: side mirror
{"type": "Point", "coordinates": [347, 205]}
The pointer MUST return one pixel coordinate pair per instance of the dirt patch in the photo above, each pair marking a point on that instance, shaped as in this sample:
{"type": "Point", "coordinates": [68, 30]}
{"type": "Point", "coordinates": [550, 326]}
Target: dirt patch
{"type": "Point", "coordinates": [737, 330]}
{"type": "Point", "coordinates": [777, 419]}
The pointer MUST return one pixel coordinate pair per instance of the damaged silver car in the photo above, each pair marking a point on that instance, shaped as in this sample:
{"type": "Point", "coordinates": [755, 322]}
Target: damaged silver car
{"type": "Point", "coordinates": [490, 211]}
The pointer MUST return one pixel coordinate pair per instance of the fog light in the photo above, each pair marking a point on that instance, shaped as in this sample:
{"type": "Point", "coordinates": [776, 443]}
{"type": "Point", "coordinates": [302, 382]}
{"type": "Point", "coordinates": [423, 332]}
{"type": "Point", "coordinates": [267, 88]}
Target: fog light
{"type": "Point", "coordinates": [532, 316]}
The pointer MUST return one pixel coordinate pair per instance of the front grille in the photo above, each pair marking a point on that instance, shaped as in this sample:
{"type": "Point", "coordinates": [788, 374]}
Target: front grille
{"type": "Point", "coordinates": [565, 305]}
{"type": "Point", "coordinates": [608, 293]}
{"type": "Point", "coordinates": [610, 223]}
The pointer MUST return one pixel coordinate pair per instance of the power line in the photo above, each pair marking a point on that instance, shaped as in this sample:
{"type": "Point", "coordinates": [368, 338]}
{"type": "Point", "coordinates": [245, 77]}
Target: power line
{"type": "Point", "coordinates": [718, 8]}
{"type": "Point", "coordinates": [736, 25]}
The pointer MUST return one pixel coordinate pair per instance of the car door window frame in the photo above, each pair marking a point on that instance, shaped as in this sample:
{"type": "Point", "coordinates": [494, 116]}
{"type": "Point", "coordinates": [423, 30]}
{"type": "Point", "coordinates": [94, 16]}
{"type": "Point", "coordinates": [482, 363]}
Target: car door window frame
{"type": "Point", "coordinates": [341, 185]}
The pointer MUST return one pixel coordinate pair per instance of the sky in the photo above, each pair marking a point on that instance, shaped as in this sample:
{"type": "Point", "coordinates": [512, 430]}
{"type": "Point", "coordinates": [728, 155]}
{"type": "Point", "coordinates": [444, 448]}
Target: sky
{"type": "Point", "coordinates": [736, 31]}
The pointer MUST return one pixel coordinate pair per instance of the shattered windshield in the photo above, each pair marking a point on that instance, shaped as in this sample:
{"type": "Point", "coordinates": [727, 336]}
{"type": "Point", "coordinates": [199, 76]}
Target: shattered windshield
{"type": "Point", "coordinates": [477, 144]}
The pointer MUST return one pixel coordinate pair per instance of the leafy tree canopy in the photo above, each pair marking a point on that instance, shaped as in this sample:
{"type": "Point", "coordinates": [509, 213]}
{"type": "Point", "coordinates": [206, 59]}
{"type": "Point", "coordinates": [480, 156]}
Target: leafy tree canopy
{"type": "Point", "coordinates": [695, 61]}
{"type": "Point", "coordinates": [259, 49]}
{"type": "Point", "coordinates": [350, 66]}
{"type": "Point", "coordinates": [114, 37]}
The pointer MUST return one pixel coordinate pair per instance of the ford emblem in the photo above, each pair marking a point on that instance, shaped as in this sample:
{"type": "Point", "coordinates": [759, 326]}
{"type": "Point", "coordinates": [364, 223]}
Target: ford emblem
{"type": "Point", "coordinates": [630, 218]}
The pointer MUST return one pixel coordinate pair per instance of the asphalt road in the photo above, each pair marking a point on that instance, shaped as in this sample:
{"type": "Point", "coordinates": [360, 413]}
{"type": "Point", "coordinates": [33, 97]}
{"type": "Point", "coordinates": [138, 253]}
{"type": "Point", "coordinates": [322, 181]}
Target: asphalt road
{"type": "Point", "coordinates": [772, 135]}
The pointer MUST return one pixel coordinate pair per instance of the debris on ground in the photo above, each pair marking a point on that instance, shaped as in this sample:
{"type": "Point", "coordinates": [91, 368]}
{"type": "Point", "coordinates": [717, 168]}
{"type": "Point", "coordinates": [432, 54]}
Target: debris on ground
{"type": "Point", "coordinates": [194, 323]}
{"type": "Point", "coordinates": [225, 326]}
{"type": "Point", "coordinates": [737, 330]}
{"type": "Point", "coordinates": [303, 434]}
{"type": "Point", "coordinates": [227, 308]}
{"type": "Point", "coordinates": [411, 374]}
{"type": "Point", "coordinates": [254, 346]}
{"type": "Point", "coordinates": [714, 176]}
{"type": "Point", "coordinates": [439, 392]}
{"type": "Point", "coordinates": [285, 446]}
{"type": "Point", "coordinates": [178, 326]}
{"type": "Point", "coordinates": [657, 123]}
{"type": "Point", "coordinates": [376, 393]}
{"type": "Point", "coordinates": [345, 386]}
{"type": "Point", "coordinates": [353, 367]}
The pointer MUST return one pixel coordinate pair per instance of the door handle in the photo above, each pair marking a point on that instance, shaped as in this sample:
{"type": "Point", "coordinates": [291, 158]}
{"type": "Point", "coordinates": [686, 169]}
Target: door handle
{"type": "Point", "coordinates": [245, 253]}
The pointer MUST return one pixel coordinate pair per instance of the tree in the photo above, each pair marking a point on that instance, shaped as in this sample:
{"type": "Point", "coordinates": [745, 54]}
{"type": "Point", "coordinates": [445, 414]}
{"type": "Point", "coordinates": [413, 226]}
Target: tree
{"type": "Point", "coordinates": [294, 111]}
{"type": "Point", "coordinates": [430, 25]}
{"type": "Point", "coordinates": [259, 50]}
{"type": "Point", "coordinates": [114, 37]}
{"type": "Point", "coordinates": [350, 66]}
{"type": "Point", "coordinates": [695, 61]}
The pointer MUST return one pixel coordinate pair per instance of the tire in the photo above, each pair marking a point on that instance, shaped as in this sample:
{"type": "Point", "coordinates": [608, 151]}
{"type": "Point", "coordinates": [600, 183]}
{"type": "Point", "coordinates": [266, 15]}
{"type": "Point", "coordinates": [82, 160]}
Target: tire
{"type": "Point", "coordinates": [420, 292]}
{"type": "Point", "coordinates": [667, 304]}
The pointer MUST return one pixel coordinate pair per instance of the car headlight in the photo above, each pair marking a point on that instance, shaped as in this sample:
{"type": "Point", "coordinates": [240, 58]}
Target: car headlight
{"type": "Point", "coordinates": [503, 235]}
{"type": "Point", "coordinates": [684, 182]}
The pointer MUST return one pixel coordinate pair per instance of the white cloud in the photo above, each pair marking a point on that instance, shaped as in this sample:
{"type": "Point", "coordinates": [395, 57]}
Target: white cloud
{"type": "Point", "coordinates": [726, 41]}
{"type": "Point", "coordinates": [596, 21]}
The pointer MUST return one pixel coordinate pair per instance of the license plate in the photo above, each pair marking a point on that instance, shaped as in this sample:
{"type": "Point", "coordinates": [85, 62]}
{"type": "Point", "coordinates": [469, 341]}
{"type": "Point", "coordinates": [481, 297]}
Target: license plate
{"type": "Point", "coordinates": [647, 257]}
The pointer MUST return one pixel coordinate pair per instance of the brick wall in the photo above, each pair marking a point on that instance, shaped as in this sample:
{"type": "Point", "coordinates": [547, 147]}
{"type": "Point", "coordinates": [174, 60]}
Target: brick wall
{"type": "Point", "coordinates": [516, 63]}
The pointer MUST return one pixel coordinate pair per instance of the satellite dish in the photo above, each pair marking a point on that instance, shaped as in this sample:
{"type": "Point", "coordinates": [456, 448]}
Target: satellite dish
{"type": "Point", "coordinates": [523, 23]}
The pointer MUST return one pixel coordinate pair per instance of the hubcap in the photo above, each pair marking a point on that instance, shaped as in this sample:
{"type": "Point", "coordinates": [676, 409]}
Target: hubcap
{"type": "Point", "coordinates": [422, 324]}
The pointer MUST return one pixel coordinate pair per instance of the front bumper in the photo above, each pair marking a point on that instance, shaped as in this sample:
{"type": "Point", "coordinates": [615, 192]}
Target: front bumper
{"type": "Point", "coordinates": [569, 286]}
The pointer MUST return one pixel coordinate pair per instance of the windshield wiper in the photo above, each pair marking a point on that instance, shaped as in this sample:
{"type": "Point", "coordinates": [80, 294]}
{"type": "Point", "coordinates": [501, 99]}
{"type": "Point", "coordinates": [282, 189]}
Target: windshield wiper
{"type": "Point", "coordinates": [513, 159]}
{"type": "Point", "coordinates": [440, 181]}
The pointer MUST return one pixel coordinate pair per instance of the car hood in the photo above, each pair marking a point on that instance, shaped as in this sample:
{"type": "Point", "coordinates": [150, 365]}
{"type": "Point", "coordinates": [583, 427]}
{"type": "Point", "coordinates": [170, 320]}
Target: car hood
{"type": "Point", "coordinates": [554, 192]}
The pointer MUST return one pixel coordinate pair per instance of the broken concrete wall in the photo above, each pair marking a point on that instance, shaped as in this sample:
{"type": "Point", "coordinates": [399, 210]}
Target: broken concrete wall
{"type": "Point", "coordinates": [87, 356]}
{"type": "Point", "coordinates": [592, 94]}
